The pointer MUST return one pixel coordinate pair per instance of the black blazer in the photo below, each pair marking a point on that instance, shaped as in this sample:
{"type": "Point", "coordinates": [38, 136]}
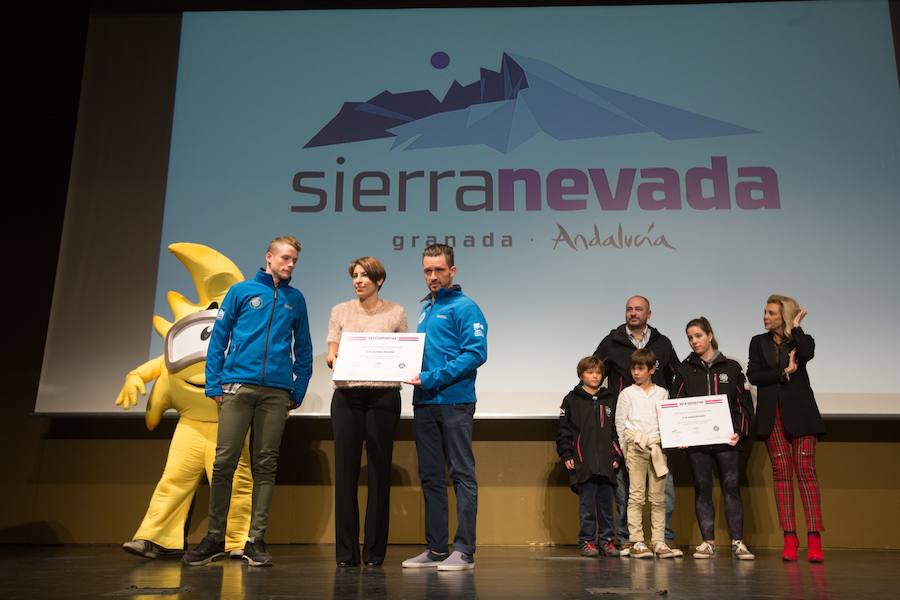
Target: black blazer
{"type": "Point", "coordinates": [765, 370]}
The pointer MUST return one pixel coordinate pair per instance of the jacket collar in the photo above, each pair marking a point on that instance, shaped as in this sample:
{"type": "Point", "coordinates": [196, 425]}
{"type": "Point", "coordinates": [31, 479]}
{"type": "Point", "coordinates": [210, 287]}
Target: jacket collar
{"type": "Point", "coordinates": [443, 293]}
{"type": "Point", "coordinates": [696, 360]}
{"type": "Point", "coordinates": [622, 334]}
{"type": "Point", "coordinates": [601, 393]}
{"type": "Point", "coordinates": [266, 279]}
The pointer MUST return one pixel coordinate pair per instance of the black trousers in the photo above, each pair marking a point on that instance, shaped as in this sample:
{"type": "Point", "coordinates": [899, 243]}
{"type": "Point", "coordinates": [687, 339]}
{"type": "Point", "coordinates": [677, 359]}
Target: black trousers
{"type": "Point", "coordinates": [357, 415]}
{"type": "Point", "coordinates": [728, 459]}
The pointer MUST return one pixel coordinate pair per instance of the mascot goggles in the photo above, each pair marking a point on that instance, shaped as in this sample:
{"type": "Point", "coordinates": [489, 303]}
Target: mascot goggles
{"type": "Point", "coordinates": [188, 339]}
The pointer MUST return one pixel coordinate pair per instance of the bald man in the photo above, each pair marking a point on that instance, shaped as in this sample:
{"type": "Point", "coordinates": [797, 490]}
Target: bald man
{"type": "Point", "coordinates": [615, 351]}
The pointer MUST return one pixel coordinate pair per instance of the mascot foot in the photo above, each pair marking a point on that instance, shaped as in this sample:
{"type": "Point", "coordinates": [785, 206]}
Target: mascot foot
{"type": "Point", "coordinates": [148, 549]}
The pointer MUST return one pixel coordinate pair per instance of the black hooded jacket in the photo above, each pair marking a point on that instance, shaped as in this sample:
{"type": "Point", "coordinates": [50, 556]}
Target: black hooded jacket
{"type": "Point", "coordinates": [587, 434]}
{"type": "Point", "coordinates": [721, 376]}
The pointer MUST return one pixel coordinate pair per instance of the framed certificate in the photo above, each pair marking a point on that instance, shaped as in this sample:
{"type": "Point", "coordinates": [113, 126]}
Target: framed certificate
{"type": "Point", "coordinates": [696, 421]}
{"type": "Point", "coordinates": [379, 356]}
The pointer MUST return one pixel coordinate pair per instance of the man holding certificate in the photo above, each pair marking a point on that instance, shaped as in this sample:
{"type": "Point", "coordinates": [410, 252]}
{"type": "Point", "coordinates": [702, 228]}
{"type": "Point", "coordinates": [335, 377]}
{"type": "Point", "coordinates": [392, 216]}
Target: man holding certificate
{"type": "Point", "coordinates": [444, 406]}
{"type": "Point", "coordinates": [708, 381]}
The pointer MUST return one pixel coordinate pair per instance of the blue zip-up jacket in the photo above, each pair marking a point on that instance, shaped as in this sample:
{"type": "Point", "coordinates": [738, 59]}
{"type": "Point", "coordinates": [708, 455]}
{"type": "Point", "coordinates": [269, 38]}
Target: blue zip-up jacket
{"type": "Point", "coordinates": [455, 346]}
{"type": "Point", "coordinates": [266, 332]}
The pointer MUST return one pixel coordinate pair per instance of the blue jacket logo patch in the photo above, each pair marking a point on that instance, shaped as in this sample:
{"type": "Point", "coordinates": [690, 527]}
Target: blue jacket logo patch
{"type": "Point", "coordinates": [255, 302]}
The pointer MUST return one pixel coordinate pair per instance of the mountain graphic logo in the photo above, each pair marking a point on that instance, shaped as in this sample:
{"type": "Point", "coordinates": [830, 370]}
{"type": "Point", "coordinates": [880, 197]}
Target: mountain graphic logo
{"type": "Point", "coordinates": [505, 109]}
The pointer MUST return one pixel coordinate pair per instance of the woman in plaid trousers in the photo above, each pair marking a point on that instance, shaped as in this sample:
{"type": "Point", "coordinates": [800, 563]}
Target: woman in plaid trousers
{"type": "Point", "coordinates": [788, 418]}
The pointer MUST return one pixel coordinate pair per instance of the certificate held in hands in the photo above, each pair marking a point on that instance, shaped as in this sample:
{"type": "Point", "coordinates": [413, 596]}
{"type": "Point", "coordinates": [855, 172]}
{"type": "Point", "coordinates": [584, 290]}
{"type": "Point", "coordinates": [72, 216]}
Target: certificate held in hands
{"type": "Point", "coordinates": [696, 421]}
{"type": "Point", "coordinates": [379, 356]}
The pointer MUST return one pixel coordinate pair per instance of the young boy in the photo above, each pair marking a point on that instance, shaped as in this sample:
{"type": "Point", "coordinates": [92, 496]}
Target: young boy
{"type": "Point", "coordinates": [587, 446]}
{"type": "Point", "coordinates": [638, 430]}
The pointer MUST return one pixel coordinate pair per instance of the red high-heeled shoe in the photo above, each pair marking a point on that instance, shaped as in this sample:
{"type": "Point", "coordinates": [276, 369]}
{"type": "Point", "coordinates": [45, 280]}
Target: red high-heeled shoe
{"type": "Point", "coordinates": [814, 552]}
{"type": "Point", "coordinates": [791, 545]}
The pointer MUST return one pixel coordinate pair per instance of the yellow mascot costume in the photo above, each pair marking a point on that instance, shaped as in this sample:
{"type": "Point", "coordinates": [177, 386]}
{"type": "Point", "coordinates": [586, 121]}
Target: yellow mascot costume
{"type": "Point", "coordinates": [180, 375]}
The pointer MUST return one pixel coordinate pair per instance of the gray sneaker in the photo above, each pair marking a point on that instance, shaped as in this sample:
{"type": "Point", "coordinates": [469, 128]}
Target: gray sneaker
{"type": "Point", "coordinates": [148, 549]}
{"type": "Point", "coordinates": [427, 559]}
{"type": "Point", "coordinates": [144, 548]}
{"type": "Point", "coordinates": [457, 561]}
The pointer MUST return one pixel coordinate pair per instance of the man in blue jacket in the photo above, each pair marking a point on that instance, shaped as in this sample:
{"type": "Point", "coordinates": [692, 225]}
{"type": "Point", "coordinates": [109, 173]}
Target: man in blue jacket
{"type": "Point", "coordinates": [443, 407]}
{"type": "Point", "coordinates": [263, 327]}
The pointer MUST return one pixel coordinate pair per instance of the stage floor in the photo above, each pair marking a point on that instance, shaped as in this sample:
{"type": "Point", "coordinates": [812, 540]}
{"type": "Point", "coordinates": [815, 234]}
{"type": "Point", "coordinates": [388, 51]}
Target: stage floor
{"type": "Point", "coordinates": [308, 571]}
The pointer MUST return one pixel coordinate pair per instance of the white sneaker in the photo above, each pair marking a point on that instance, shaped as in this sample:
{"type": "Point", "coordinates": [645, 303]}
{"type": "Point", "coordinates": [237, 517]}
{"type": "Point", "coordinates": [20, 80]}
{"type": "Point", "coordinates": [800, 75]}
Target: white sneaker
{"type": "Point", "coordinates": [457, 561]}
{"type": "Point", "coordinates": [427, 559]}
{"type": "Point", "coordinates": [705, 550]}
{"type": "Point", "coordinates": [739, 551]}
{"type": "Point", "coordinates": [640, 550]}
{"type": "Point", "coordinates": [662, 550]}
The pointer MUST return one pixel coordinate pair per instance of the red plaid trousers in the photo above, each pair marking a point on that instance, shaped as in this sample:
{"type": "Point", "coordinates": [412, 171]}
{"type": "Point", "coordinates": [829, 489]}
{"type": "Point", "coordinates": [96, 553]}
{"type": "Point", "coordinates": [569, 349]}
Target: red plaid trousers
{"type": "Point", "coordinates": [789, 455]}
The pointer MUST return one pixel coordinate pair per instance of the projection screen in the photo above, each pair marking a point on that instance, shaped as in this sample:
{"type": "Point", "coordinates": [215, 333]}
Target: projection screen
{"type": "Point", "coordinates": [703, 156]}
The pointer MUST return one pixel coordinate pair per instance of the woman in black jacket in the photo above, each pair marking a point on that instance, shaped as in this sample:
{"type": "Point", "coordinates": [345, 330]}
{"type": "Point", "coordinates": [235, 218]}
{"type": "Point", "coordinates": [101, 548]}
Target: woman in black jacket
{"type": "Point", "coordinates": [788, 418]}
{"type": "Point", "coordinates": [707, 372]}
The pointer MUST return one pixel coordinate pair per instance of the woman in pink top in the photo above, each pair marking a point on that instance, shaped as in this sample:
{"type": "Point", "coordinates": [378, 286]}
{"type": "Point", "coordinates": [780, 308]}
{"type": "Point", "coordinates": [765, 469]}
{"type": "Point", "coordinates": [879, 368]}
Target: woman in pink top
{"type": "Point", "coordinates": [363, 411]}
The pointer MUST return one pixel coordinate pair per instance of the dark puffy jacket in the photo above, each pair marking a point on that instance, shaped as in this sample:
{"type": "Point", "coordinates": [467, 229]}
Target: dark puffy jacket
{"type": "Point", "coordinates": [616, 349]}
{"type": "Point", "coordinates": [587, 434]}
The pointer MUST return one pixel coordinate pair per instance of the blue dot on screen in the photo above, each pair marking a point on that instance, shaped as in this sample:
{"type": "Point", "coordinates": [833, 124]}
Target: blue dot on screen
{"type": "Point", "coordinates": [440, 60]}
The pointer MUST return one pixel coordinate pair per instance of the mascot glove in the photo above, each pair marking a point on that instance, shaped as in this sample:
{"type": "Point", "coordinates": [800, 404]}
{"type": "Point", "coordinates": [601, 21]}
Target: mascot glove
{"type": "Point", "coordinates": [128, 395]}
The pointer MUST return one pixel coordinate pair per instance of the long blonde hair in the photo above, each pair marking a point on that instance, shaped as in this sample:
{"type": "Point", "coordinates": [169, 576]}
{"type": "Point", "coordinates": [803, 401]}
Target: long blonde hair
{"type": "Point", "coordinates": [789, 309]}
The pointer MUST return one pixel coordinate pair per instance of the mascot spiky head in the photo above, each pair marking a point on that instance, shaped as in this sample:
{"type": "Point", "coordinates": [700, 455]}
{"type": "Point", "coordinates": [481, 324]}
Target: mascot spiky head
{"type": "Point", "coordinates": [182, 380]}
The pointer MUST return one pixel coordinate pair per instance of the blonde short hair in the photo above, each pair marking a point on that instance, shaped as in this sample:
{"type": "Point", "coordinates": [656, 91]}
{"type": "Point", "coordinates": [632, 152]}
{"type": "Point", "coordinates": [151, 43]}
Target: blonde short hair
{"type": "Point", "coordinates": [788, 308]}
{"type": "Point", "coordinates": [285, 239]}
